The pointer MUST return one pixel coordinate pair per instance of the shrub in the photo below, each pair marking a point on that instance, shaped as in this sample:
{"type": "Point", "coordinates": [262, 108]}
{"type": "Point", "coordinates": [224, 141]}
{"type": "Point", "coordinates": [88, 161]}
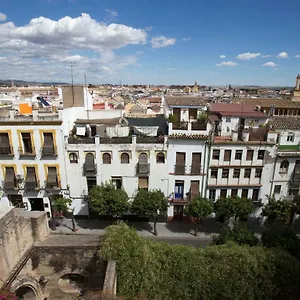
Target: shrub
{"type": "Point", "coordinates": [240, 235]}
{"type": "Point", "coordinates": [163, 272]}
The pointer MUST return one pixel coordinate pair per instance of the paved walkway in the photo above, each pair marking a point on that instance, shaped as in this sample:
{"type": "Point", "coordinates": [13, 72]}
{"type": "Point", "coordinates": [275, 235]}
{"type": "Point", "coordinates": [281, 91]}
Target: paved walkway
{"type": "Point", "coordinates": [174, 229]}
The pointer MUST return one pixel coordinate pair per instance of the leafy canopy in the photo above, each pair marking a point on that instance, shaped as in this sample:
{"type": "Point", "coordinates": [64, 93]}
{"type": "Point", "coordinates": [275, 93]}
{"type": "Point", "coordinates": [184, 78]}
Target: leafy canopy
{"type": "Point", "coordinates": [199, 208]}
{"type": "Point", "coordinates": [280, 210]}
{"type": "Point", "coordinates": [61, 204]}
{"type": "Point", "coordinates": [107, 200]}
{"type": "Point", "coordinates": [149, 203]}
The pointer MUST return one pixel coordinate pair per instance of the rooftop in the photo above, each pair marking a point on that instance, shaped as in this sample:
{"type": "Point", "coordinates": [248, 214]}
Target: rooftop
{"type": "Point", "coordinates": [111, 121]}
{"type": "Point", "coordinates": [185, 101]}
{"type": "Point", "coordinates": [285, 122]}
{"type": "Point", "coordinates": [236, 110]}
{"type": "Point", "coordinates": [267, 102]}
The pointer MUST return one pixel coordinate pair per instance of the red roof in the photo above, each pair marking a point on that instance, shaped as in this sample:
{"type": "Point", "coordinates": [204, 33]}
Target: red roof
{"type": "Point", "coordinates": [155, 100]}
{"type": "Point", "coordinates": [236, 110]}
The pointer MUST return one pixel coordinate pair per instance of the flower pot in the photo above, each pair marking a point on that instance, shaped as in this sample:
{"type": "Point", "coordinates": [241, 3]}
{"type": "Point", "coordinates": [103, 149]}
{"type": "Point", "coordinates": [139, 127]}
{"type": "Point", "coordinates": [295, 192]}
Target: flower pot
{"type": "Point", "coordinates": [58, 221]}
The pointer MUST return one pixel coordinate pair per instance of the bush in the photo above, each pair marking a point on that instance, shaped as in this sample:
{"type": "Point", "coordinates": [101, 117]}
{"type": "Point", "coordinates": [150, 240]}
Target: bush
{"type": "Point", "coordinates": [163, 272]}
{"type": "Point", "coordinates": [282, 237]}
{"type": "Point", "coordinates": [240, 235]}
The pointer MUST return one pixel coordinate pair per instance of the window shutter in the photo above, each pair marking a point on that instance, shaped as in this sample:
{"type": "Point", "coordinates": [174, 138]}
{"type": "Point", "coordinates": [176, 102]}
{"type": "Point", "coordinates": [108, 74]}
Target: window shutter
{"type": "Point", "coordinates": [180, 158]}
{"type": "Point", "coordinates": [143, 158]}
{"type": "Point", "coordinates": [9, 174]}
{"type": "Point", "coordinates": [143, 182]}
{"type": "Point", "coordinates": [30, 174]}
{"type": "Point", "coordinates": [52, 175]}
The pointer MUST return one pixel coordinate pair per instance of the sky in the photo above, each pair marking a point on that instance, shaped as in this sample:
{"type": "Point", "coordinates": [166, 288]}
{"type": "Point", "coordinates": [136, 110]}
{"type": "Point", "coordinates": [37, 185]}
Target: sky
{"type": "Point", "coordinates": [213, 42]}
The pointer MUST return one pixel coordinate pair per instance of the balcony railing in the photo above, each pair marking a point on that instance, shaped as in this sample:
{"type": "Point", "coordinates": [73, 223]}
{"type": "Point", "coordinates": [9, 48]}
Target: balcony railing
{"type": "Point", "coordinates": [149, 139]}
{"type": "Point", "coordinates": [179, 169]}
{"type": "Point", "coordinates": [289, 148]}
{"type": "Point", "coordinates": [84, 140]}
{"type": "Point", "coordinates": [23, 153]}
{"type": "Point", "coordinates": [9, 185]}
{"type": "Point", "coordinates": [48, 151]}
{"type": "Point", "coordinates": [32, 185]}
{"type": "Point", "coordinates": [180, 126]}
{"type": "Point", "coordinates": [195, 169]}
{"type": "Point", "coordinates": [52, 185]}
{"type": "Point", "coordinates": [116, 140]}
{"type": "Point", "coordinates": [5, 151]}
{"type": "Point", "coordinates": [89, 169]}
{"type": "Point", "coordinates": [199, 126]}
{"type": "Point", "coordinates": [143, 169]}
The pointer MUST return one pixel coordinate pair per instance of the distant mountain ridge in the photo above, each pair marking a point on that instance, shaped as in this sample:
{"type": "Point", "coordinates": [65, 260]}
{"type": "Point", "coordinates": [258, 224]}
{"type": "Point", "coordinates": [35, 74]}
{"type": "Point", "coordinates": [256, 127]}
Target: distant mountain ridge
{"type": "Point", "coordinates": [8, 82]}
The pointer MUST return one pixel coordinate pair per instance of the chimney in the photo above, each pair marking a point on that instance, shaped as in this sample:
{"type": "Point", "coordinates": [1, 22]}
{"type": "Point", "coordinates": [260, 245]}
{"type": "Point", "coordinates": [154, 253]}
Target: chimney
{"type": "Point", "coordinates": [133, 139]}
{"type": "Point", "coordinates": [97, 139]}
{"type": "Point", "coordinates": [35, 114]}
{"type": "Point", "coordinates": [12, 114]}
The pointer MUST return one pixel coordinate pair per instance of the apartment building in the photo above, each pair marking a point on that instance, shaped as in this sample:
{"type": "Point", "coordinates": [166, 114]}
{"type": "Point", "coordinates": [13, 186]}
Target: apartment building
{"type": "Point", "coordinates": [32, 159]}
{"type": "Point", "coordinates": [241, 153]}
{"type": "Point", "coordinates": [285, 182]}
{"type": "Point", "coordinates": [188, 133]}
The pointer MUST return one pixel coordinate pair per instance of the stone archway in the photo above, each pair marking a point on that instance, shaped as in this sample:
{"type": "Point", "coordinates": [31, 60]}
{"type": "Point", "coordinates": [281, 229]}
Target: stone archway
{"type": "Point", "coordinates": [27, 288]}
{"type": "Point", "coordinates": [25, 292]}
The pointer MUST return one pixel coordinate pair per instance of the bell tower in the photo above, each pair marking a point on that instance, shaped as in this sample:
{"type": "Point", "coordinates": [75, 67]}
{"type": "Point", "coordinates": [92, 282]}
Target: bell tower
{"type": "Point", "coordinates": [296, 92]}
{"type": "Point", "coordinates": [298, 83]}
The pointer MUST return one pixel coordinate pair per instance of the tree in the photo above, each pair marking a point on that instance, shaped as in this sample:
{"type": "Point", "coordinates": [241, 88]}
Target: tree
{"type": "Point", "coordinates": [105, 199]}
{"type": "Point", "coordinates": [61, 205]}
{"type": "Point", "coordinates": [233, 207]}
{"type": "Point", "coordinates": [151, 204]}
{"type": "Point", "coordinates": [199, 209]}
{"type": "Point", "coordinates": [277, 210]}
{"type": "Point", "coordinates": [239, 234]}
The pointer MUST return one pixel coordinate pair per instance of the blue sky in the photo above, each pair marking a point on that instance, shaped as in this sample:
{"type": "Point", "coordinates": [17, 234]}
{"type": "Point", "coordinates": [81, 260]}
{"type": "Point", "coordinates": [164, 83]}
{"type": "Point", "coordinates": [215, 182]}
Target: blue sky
{"type": "Point", "coordinates": [151, 42]}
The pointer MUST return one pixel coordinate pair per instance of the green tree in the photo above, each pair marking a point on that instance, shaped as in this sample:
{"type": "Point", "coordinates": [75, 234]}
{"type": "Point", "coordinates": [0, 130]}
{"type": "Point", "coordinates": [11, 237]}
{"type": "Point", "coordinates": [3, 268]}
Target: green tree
{"type": "Point", "coordinates": [151, 204]}
{"type": "Point", "coordinates": [239, 234]}
{"type": "Point", "coordinates": [61, 205]}
{"type": "Point", "coordinates": [233, 207]}
{"type": "Point", "coordinates": [105, 199]}
{"type": "Point", "coordinates": [277, 210]}
{"type": "Point", "coordinates": [199, 209]}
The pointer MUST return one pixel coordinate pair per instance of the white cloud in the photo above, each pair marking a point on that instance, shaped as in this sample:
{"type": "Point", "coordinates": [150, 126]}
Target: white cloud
{"type": "Point", "coordinates": [63, 41]}
{"type": "Point", "coordinates": [267, 55]}
{"type": "Point", "coordinates": [2, 17]}
{"type": "Point", "coordinates": [270, 64]}
{"type": "Point", "coordinates": [247, 56]}
{"type": "Point", "coordinates": [112, 14]}
{"type": "Point", "coordinates": [297, 56]}
{"type": "Point", "coordinates": [162, 41]}
{"type": "Point", "coordinates": [222, 56]}
{"type": "Point", "coordinates": [282, 55]}
{"type": "Point", "coordinates": [171, 69]}
{"type": "Point", "coordinates": [227, 64]}
{"type": "Point", "coordinates": [186, 39]}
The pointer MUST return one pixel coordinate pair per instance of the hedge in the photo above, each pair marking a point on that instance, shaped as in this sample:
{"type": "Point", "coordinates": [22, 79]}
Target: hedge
{"type": "Point", "coordinates": [159, 271]}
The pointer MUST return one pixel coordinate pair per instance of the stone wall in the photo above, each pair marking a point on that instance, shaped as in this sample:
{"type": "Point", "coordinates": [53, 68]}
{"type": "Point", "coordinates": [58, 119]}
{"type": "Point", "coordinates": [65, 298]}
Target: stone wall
{"type": "Point", "coordinates": [19, 230]}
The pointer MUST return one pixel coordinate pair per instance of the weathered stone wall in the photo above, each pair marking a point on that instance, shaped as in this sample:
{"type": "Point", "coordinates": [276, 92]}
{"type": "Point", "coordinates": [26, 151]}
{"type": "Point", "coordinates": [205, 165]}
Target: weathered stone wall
{"type": "Point", "coordinates": [19, 230]}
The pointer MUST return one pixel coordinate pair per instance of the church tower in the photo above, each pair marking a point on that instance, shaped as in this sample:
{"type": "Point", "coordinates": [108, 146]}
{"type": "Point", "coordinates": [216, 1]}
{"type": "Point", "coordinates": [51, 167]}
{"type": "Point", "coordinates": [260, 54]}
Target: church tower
{"type": "Point", "coordinates": [298, 83]}
{"type": "Point", "coordinates": [296, 93]}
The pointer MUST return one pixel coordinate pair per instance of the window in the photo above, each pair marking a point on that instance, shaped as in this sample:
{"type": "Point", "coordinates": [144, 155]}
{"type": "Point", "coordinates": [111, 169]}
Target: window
{"type": "Point", "coordinates": [223, 194]}
{"type": "Point", "coordinates": [26, 141]}
{"type": "Point", "coordinates": [30, 180]}
{"type": "Point", "coordinates": [117, 182]}
{"type": "Point", "coordinates": [93, 130]}
{"type": "Point", "coordinates": [238, 154]}
{"type": "Point", "coordinates": [249, 155]}
{"type": "Point", "coordinates": [234, 192]}
{"type": "Point", "coordinates": [214, 173]}
{"type": "Point", "coordinates": [143, 183]}
{"type": "Point", "coordinates": [212, 195]}
{"type": "Point", "coordinates": [124, 158]}
{"type": "Point", "coordinates": [196, 164]}
{"type": "Point", "coordinates": [106, 158]}
{"type": "Point", "coordinates": [180, 163]}
{"type": "Point", "coordinates": [160, 158]}
{"type": "Point", "coordinates": [91, 182]}
{"type": "Point", "coordinates": [225, 173]}
{"type": "Point", "coordinates": [244, 193]}
{"type": "Point", "coordinates": [227, 155]}
{"type": "Point", "coordinates": [247, 173]}
{"type": "Point", "coordinates": [194, 190]}
{"type": "Point", "coordinates": [255, 194]}
{"type": "Point", "coordinates": [228, 119]}
{"type": "Point", "coordinates": [236, 173]}
{"type": "Point", "coordinates": [258, 173]}
{"type": "Point", "coordinates": [290, 137]}
{"type": "Point", "coordinates": [277, 189]}
{"type": "Point", "coordinates": [261, 154]}
{"type": "Point", "coordinates": [284, 166]}
{"type": "Point", "coordinates": [52, 178]}
{"type": "Point", "coordinates": [4, 144]}
{"type": "Point", "coordinates": [216, 154]}
{"type": "Point", "coordinates": [48, 146]}
{"type": "Point", "coordinates": [73, 158]}
{"type": "Point", "coordinates": [10, 178]}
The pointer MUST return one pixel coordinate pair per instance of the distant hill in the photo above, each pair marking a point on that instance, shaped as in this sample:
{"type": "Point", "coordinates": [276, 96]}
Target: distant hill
{"type": "Point", "coordinates": [7, 82]}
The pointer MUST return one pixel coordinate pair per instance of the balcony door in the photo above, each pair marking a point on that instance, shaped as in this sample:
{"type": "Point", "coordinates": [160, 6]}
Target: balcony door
{"type": "Point", "coordinates": [179, 188]}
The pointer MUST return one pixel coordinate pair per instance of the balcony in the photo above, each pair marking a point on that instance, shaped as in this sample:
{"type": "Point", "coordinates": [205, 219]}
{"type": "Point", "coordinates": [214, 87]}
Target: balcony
{"type": "Point", "coordinates": [9, 185]}
{"type": "Point", "coordinates": [84, 140]}
{"type": "Point", "coordinates": [32, 185]}
{"type": "Point", "coordinates": [143, 169]}
{"type": "Point", "coordinates": [49, 152]}
{"type": "Point", "coordinates": [116, 140]}
{"type": "Point", "coordinates": [180, 126]}
{"type": "Point", "coordinates": [149, 139]}
{"type": "Point", "coordinates": [5, 151]}
{"type": "Point", "coordinates": [52, 185]}
{"type": "Point", "coordinates": [26, 154]}
{"type": "Point", "coordinates": [179, 169]}
{"type": "Point", "coordinates": [89, 169]}
{"type": "Point", "coordinates": [289, 148]}
{"type": "Point", "coordinates": [199, 126]}
{"type": "Point", "coordinates": [196, 169]}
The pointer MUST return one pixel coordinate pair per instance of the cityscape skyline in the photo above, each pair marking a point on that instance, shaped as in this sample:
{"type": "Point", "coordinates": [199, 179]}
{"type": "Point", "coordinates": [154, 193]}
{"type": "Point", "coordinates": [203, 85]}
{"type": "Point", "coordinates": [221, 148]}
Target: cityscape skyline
{"type": "Point", "coordinates": [158, 43]}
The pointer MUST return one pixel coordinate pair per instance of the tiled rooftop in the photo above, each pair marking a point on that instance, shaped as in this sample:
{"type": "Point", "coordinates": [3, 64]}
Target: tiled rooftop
{"type": "Point", "coordinates": [267, 102]}
{"type": "Point", "coordinates": [185, 101]}
{"type": "Point", "coordinates": [285, 122]}
{"type": "Point", "coordinates": [188, 136]}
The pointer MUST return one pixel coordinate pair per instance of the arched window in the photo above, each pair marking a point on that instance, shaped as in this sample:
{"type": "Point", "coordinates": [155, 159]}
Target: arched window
{"type": "Point", "coordinates": [160, 158]}
{"type": "Point", "coordinates": [124, 158]}
{"type": "Point", "coordinates": [284, 166]}
{"type": "Point", "coordinates": [143, 158]}
{"type": "Point", "coordinates": [106, 159]}
{"type": "Point", "coordinates": [73, 157]}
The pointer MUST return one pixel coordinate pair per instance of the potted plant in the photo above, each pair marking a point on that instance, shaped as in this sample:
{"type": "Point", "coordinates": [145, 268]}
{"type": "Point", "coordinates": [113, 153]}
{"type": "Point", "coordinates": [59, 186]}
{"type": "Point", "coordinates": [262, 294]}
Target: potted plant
{"type": "Point", "coordinates": [172, 119]}
{"type": "Point", "coordinates": [61, 206]}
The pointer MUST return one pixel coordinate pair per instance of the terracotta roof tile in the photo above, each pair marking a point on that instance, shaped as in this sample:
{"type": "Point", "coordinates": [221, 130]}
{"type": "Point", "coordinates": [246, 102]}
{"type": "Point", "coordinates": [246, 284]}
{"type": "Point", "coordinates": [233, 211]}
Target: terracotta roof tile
{"type": "Point", "coordinates": [185, 101]}
{"type": "Point", "coordinates": [267, 102]}
{"type": "Point", "coordinates": [285, 122]}
{"type": "Point", "coordinates": [188, 136]}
